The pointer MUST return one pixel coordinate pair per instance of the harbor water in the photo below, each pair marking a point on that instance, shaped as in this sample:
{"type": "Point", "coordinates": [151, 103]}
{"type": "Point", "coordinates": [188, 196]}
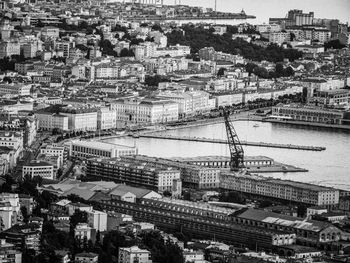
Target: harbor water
{"type": "Point", "coordinates": [330, 167]}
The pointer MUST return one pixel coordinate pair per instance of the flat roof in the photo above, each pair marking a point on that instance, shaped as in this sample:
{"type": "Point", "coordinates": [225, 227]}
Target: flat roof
{"type": "Point", "coordinates": [101, 145]}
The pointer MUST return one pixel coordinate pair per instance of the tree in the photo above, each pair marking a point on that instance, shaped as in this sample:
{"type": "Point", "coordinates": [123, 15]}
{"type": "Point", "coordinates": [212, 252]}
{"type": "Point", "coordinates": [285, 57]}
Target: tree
{"type": "Point", "coordinates": [126, 53]}
{"type": "Point", "coordinates": [333, 44]}
{"type": "Point", "coordinates": [78, 217]}
{"type": "Point", "coordinates": [167, 193]}
{"type": "Point", "coordinates": [7, 79]}
{"type": "Point", "coordinates": [40, 23]}
{"type": "Point", "coordinates": [198, 37]}
{"type": "Point", "coordinates": [232, 197]}
{"type": "Point", "coordinates": [24, 213]}
{"type": "Point", "coordinates": [289, 72]}
{"type": "Point", "coordinates": [221, 72]}
{"type": "Point", "coordinates": [279, 69]}
{"type": "Point", "coordinates": [301, 210]}
{"type": "Point", "coordinates": [157, 27]}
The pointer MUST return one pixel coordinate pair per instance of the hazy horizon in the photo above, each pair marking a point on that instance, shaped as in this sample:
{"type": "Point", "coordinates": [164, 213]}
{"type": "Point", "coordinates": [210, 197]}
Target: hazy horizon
{"type": "Point", "coordinates": [264, 9]}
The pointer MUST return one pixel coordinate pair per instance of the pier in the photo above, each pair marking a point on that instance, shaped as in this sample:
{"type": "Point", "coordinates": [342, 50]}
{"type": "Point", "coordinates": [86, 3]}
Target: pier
{"type": "Point", "coordinates": [219, 141]}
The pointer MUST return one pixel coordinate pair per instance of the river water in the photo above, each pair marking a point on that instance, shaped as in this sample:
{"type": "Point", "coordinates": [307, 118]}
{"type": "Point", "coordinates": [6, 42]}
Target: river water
{"type": "Point", "coordinates": [330, 167]}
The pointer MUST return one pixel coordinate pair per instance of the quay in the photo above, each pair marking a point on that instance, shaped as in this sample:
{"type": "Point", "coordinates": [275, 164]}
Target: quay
{"type": "Point", "coordinates": [309, 124]}
{"type": "Point", "coordinates": [253, 164]}
{"type": "Point", "coordinates": [219, 141]}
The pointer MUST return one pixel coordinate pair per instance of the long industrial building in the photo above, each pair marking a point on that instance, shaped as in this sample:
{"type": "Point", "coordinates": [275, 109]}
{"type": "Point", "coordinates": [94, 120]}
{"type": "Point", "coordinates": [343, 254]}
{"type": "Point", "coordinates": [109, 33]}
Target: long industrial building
{"type": "Point", "coordinates": [248, 227]}
{"type": "Point", "coordinates": [200, 220]}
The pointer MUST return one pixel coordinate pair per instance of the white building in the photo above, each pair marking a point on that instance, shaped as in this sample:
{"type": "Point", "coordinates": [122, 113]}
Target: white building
{"type": "Point", "coordinates": [50, 121]}
{"type": "Point", "coordinates": [190, 103]}
{"type": "Point", "coordinates": [9, 210]}
{"type": "Point", "coordinates": [97, 220]}
{"type": "Point", "coordinates": [316, 210]}
{"type": "Point", "coordinates": [279, 37]}
{"type": "Point", "coordinates": [89, 149]}
{"type": "Point", "coordinates": [15, 89]}
{"type": "Point", "coordinates": [39, 168]}
{"type": "Point", "coordinates": [106, 119]}
{"type": "Point", "coordinates": [138, 111]}
{"type": "Point", "coordinates": [54, 150]}
{"type": "Point", "coordinates": [268, 28]}
{"type": "Point", "coordinates": [144, 50]}
{"type": "Point", "coordinates": [81, 119]}
{"type": "Point", "coordinates": [83, 230]}
{"type": "Point", "coordinates": [9, 48]}
{"type": "Point", "coordinates": [12, 140]}
{"type": "Point", "coordinates": [86, 258]}
{"type": "Point", "coordinates": [134, 254]}
{"type": "Point", "coordinates": [193, 256]}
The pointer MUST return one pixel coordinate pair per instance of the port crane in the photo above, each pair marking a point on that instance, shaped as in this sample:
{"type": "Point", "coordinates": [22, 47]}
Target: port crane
{"type": "Point", "coordinates": [235, 146]}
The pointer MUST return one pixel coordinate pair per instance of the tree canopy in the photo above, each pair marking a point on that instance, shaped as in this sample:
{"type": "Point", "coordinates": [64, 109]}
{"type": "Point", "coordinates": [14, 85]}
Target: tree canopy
{"type": "Point", "coordinates": [198, 38]}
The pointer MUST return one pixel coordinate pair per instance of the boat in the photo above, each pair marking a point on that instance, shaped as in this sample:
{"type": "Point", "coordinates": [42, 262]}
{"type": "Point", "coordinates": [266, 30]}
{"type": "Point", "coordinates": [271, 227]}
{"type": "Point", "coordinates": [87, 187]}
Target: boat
{"type": "Point", "coordinates": [256, 125]}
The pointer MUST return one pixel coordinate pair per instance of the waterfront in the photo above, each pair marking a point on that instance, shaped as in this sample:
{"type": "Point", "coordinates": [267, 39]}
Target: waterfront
{"type": "Point", "coordinates": [329, 168]}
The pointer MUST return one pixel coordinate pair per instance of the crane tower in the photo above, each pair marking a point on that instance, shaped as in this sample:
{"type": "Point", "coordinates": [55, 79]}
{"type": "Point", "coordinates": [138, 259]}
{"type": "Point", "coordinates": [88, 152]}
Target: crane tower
{"type": "Point", "coordinates": [236, 149]}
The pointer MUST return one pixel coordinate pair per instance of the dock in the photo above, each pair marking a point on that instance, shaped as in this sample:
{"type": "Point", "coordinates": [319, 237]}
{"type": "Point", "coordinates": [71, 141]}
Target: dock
{"type": "Point", "coordinates": [219, 141]}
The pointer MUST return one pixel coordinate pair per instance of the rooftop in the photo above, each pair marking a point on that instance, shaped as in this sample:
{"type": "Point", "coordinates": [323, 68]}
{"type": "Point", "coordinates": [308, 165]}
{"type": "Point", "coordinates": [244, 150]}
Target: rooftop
{"type": "Point", "coordinates": [101, 145]}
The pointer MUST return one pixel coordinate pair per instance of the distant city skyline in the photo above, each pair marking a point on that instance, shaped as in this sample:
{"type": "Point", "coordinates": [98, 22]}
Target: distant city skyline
{"type": "Point", "coordinates": [264, 9]}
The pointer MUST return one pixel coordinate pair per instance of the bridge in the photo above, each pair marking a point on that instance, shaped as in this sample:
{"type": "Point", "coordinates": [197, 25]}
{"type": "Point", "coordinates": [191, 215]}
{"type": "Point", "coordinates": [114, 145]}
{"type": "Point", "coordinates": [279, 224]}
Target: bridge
{"type": "Point", "coordinates": [219, 141]}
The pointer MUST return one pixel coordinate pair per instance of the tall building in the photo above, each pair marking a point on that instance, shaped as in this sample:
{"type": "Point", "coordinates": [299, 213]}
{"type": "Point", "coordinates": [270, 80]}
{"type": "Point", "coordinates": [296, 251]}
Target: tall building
{"type": "Point", "coordinates": [299, 18]}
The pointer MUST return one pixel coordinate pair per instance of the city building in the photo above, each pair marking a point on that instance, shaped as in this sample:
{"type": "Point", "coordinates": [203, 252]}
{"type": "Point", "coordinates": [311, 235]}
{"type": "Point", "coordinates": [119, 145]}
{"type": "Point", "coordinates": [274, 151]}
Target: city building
{"type": "Point", "coordinates": [39, 168]}
{"type": "Point", "coordinates": [8, 253]}
{"type": "Point", "coordinates": [280, 189]}
{"type": "Point", "coordinates": [89, 149]}
{"type": "Point", "coordinates": [15, 89]}
{"type": "Point", "coordinates": [268, 28]}
{"type": "Point", "coordinates": [134, 172]}
{"type": "Point", "coordinates": [308, 114]}
{"type": "Point", "coordinates": [142, 111]}
{"type": "Point", "coordinates": [191, 175]}
{"type": "Point", "coordinates": [134, 254]}
{"type": "Point", "coordinates": [191, 255]}
{"type": "Point", "coordinates": [198, 219]}
{"type": "Point", "coordinates": [189, 103]}
{"type": "Point", "coordinates": [83, 231]}
{"type": "Point", "coordinates": [315, 210]}
{"type": "Point", "coordinates": [50, 121]}
{"type": "Point", "coordinates": [25, 236]}
{"type": "Point", "coordinates": [86, 258]}
{"type": "Point", "coordinates": [55, 150]}
{"type": "Point", "coordinates": [332, 98]}
{"type": "Point", "coordinates": [9, 48]}
{"type": "Point", "coordinates": [80, 119]}
{"type": "Point", "coordinates": [106, 119]}
{"type": "Point", "coordinates": [13, 141]}
{"type": "Point", "coordinates": [97, 220]}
